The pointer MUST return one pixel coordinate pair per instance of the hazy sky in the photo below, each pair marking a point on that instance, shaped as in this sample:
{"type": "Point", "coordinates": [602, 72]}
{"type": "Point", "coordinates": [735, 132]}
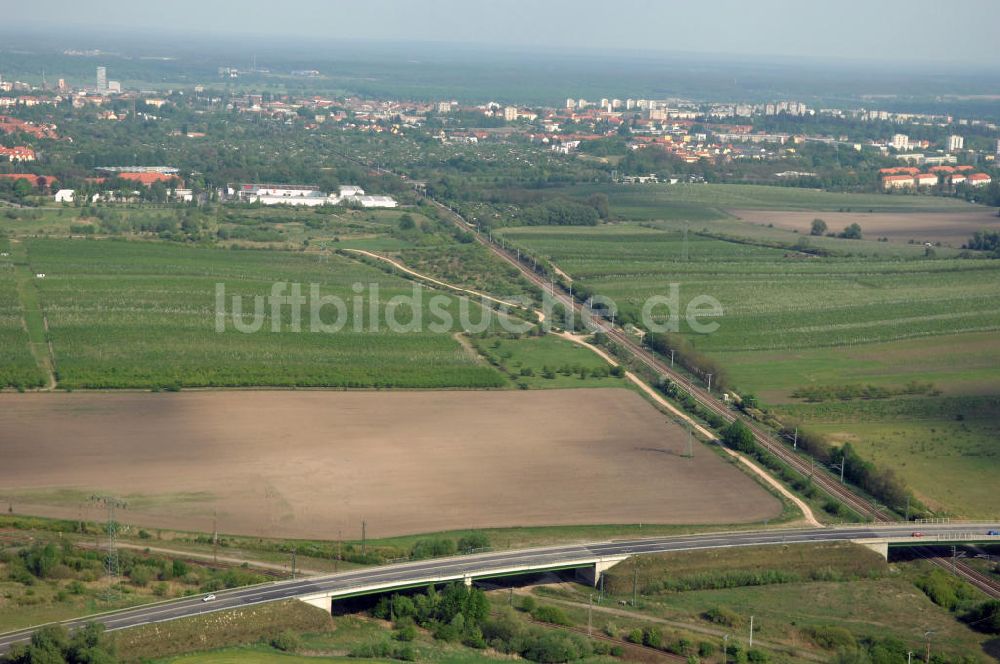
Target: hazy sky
{"type": "Point", "coordinates": [893, 29]}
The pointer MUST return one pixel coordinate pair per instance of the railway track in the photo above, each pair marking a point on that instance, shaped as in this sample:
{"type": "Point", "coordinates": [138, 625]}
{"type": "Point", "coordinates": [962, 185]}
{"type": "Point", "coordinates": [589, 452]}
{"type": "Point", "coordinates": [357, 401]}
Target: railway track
{"type": "Point", "coordinates": [963, 570]}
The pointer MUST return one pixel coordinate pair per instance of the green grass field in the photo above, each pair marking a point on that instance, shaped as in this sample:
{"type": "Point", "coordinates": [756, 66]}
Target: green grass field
{"type": "Point", "coordinates": [945, 448]}
{"type": "Point", "coordinates": [547, 362]}
{"type": "Point", "coordinates": [699, 202]}
{"type": "Point", "coordinates": [140, 314]}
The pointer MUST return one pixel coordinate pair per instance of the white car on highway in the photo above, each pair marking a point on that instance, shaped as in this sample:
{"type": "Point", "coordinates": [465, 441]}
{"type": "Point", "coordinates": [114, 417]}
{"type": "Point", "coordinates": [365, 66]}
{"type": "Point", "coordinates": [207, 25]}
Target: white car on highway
{"type": "Point", "coordinates": [208, 598]}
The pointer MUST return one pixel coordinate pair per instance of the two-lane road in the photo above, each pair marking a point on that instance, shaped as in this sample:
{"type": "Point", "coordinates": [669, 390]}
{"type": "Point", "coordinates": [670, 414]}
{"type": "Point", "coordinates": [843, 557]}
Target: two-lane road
{"type": "Point", "coordinates": [486, 564]}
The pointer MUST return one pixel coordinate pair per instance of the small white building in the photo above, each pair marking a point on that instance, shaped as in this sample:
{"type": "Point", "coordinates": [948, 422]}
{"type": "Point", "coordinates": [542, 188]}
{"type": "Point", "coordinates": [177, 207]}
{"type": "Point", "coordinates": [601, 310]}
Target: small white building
{"type": "Point", "coordinates": [65, 196]}
{"type": "Point", "coordinates": [347, 191]}
{"type": "Point", "coordinates": [185, 195]}
{"type": "Point", "coordinates": [376, 201]}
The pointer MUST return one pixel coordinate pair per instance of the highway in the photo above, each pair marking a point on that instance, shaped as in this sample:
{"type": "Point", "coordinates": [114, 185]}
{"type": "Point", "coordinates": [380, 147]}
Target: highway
{"type": "Point", "coordinates": [494, 563]}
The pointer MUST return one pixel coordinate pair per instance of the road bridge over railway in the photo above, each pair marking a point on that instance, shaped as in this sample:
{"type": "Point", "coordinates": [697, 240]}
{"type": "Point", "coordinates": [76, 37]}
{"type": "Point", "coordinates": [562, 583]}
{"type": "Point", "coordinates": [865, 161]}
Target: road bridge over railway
{"type": "Point", "coordinates": [592, 559]}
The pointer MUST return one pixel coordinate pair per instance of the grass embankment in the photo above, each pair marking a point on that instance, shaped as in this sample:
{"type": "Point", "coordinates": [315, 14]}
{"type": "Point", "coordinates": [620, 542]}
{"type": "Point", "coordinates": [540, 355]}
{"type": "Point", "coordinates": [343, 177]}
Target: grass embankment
{"type": "Point", "coordinates": [220, 629]}
{"type": "Point", "coordinates": [759, 565]}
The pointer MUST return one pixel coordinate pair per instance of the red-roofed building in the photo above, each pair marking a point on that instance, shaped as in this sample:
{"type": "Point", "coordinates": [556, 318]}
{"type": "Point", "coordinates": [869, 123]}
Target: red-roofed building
{"type": "Point", "coordinates": [964, 169]}
{"type": "Point", "coordinates": [927, 180]}
{"type": "Point", "coordinates": [900, 170]}
{"type": "Point", "coordinates": [979, 180]}
{"type": "Point", "coordinates": [17, 153]}
{"type": "Point", "coordinates": [10, 125]}
{"type": "Point", "coordinates": [146, 179]}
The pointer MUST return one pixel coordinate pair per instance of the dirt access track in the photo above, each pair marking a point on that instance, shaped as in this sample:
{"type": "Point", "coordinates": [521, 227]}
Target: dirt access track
{"type": "Point", "coordinates": [949, 228]}
{"type": "Point", "coordinates": [312, 463]}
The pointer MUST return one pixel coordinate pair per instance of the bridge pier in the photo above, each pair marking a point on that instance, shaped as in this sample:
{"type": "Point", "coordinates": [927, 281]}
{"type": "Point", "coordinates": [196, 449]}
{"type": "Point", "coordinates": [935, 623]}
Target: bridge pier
{"type": "Point", "coordinates": [591, 575]}
{"type": "Point", "coordinates": [324, 602]}
{"type": "Point", "coordinates": [881, 547]}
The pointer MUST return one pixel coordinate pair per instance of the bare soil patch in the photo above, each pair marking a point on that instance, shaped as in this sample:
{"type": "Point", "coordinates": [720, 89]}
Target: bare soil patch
{"type": "Point", "coordinates": [312, 463]}
{"type": "Point", "coordinates": [948, 228]}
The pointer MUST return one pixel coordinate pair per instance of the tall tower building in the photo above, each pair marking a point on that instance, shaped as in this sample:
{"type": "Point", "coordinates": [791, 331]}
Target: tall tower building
{"type": "Point", "coordinates": [102, 79]}
{"type": "Point", "coordinates": [955, 143]}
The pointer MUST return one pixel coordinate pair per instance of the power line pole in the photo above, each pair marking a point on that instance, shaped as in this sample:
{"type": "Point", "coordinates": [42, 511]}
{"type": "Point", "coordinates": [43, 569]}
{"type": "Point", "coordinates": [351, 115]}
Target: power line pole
{"type": "Point", "coordinates": [293, 563]}
{"type": "Point", "coordinates": [111, 567]}
{"type": "Point", "coordinates": [364, 538]}
{"type": "Point", "coordinates": [751, 631]}
{"type": "Point", "coordinates": [690, 445]}
{"type": "Point", "coordinates": [635, 583]}
{"type": "Point", "coordinates": [590, 615]}
{"type": "Point", "coordinates": [215, 537]}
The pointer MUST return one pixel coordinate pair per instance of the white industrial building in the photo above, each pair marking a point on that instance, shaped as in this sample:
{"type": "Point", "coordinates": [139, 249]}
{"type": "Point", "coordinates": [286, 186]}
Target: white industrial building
{"type": "Point", "coordinates": [65, 195]}
{"type": "Point", "coordinates": [281, 194]}
{"type": "Point", "coordinates": [293, 194]}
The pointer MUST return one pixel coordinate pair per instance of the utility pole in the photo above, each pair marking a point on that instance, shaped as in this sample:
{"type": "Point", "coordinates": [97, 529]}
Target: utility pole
{"type": "Point", "coordinates": [364, 538]}
{"type": "Point", "coordinates": [671, 358]}
{"type": "Point", "coordinates": [795, 439]}
{"type": "Point", "coordinates": [909, 657]}
{"type": "Point", "coordinates": [751, 631]}
{"type": "Point", "coordinates": [709, 382]}
{"type": "Point", "coordinates": [590, 615]}
{"type": "Point", "coordinates": [690, 445]}
{"type": "Point", "coordinates": [215, 537]}
{"type": "Point", "coordinates": [927, 635]}
{"type": "Point", "coordinates": [293, 563]}
{"type": "Point", "coordinates": [635, 583]}
{"type": "Point", "coordinates": [725, 649]}
{"type": "Point", "coordinates": [336, 563]}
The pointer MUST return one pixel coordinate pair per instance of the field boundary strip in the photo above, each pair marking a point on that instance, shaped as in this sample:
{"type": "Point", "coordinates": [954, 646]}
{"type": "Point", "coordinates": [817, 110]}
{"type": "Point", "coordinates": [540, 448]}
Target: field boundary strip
{"type": "Point", "coordinates": [33, 317]}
